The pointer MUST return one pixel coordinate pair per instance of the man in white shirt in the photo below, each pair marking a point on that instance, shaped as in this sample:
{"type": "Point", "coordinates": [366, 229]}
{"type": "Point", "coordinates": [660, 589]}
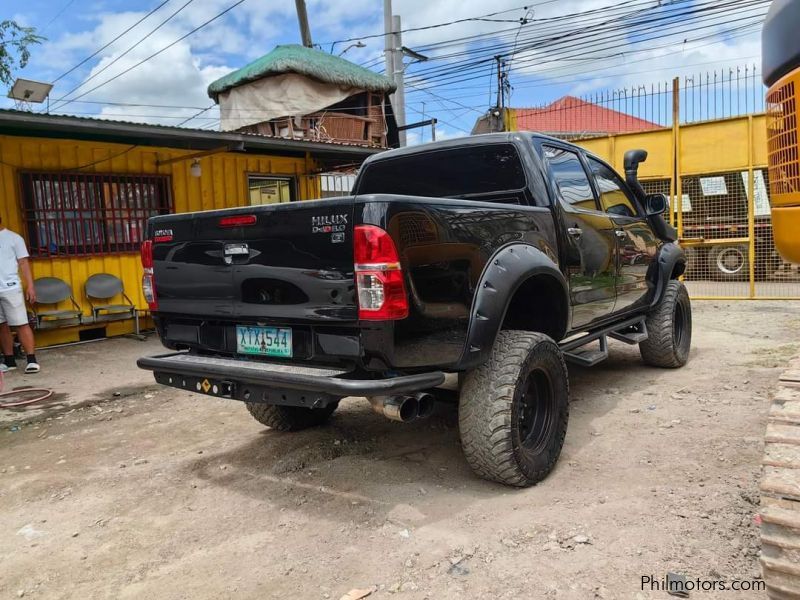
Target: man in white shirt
{"type": "Point", "coordinates": [13, 259]}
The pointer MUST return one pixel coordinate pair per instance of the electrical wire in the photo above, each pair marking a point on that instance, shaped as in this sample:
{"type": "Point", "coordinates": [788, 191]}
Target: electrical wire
{"type": "Point", "coordinates": [616, 30]}
{"type": "Point", "coordinates": [512, 32]}
{"type": "Point", "coordinates": [557, 58]}
{"type": "Point", "coordinates": [195, 116]}
{"type": "Point", "coordinates": [456, 75]}
{"type": "Point", "coordinates": [165, 48]}
{"type": "Point", "coordinates": [554, 37]}
{"type": "Point", "coordinates": [123, 54]}
{"type": "Point", "coordinates": [99, 50]}
{"type": "Point", "coordinates": [141, 105]}
{"type": "Point", "coordinates": [715, 34]}
{"type": "Point", "coordinates": [505, 33]}
{"type": "Point", "coordinates": [58, 14]}
{"type": "Point", "coordinates": [594, 29]}
{"type": "Point", "coordinates": [486, 17]}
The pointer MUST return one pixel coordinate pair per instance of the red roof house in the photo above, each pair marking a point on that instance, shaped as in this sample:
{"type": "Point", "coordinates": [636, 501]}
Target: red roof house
{"type": "Point", "coordinates": [570, 117]}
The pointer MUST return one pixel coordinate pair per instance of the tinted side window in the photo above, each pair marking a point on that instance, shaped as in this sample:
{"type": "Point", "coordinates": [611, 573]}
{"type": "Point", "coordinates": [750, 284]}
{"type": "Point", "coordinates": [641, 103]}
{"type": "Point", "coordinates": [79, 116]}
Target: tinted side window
{"type": "Point", "coordinates": [571, 179]}
{"type": "Point", "coordinates": [614, 197]}
{"type": "Point", "coordinates": [488, 170]}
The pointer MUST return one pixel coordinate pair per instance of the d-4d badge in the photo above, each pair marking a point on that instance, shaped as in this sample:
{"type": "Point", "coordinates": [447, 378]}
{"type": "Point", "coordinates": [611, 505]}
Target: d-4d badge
{"type": "Point", "coordinates": [206, 385]}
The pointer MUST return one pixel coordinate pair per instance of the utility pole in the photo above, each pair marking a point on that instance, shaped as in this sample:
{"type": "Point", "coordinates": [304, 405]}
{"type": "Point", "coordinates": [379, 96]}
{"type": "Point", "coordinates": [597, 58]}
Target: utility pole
{"type": "Point", "coordinates": [399, 75]}
{"type": "Point", "coordinates": [500, 91]}
{"type": "Point", "coordinates": [393, 57]}
{"type": "Point", "coordinates": [501, 95]}
{"type": "Point", "coordinates": [394, 52]}
{"type": "Point", "coordinates": [302, 18]}
{"type": "Point", "coordinates": [388, 40]}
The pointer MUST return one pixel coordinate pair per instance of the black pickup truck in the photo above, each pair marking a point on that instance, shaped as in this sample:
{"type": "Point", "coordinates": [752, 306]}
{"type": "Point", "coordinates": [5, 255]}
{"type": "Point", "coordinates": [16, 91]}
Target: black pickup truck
{"type": "Point", "coordinates": [496, 257]}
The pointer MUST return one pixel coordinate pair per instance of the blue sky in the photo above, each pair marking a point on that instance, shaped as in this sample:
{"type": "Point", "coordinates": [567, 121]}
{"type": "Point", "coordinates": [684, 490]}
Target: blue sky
{"type": "Point", "coordinates": [454, 86]}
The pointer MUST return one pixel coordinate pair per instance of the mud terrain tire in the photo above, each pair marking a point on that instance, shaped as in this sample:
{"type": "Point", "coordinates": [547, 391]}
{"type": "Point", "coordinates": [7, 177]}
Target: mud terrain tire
{"type": "Point", "coordinates": [669, 328]}
{"type": "Point", "coordinates": [513, 410]}
{"type": "Point", "coordinates": [780, 492]}
{"type": "Point", "coordinates": [289, 418]}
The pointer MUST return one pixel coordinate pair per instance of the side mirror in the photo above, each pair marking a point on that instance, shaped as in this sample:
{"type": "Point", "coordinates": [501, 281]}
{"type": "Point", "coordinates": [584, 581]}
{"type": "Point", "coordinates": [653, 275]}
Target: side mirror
{"type": "Point", "coordinates": [656, 204]}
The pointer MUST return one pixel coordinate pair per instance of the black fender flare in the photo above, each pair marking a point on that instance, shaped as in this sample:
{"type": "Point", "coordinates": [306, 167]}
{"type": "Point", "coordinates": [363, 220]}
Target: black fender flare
{"type": "Point", "coordinates": [669, 256]}
{"type": "Point", "coordinates": [505, 271]}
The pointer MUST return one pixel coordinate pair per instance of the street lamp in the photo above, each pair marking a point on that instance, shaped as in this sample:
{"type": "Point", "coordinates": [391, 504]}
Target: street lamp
{"type": "Point", "coordinates": [358, 44]}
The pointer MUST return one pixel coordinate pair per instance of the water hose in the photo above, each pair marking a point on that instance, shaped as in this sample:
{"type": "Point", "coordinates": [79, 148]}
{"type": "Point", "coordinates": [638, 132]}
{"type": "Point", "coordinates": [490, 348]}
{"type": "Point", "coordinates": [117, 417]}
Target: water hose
{"type": "Point", "coordinates": [40, 394]}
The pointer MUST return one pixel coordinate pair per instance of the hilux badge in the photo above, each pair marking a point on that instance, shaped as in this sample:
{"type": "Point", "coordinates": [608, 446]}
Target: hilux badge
{"type": "Point", "coordinates": [328, 223]}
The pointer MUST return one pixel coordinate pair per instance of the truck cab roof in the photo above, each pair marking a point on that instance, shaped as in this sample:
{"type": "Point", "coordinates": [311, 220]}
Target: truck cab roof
{"type": "Point", "coordinates": [461, 142]}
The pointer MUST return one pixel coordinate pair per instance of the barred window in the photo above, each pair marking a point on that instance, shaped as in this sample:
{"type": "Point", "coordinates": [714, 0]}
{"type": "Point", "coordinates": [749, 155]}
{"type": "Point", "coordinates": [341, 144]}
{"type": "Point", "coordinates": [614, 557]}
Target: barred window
{"type": "Point", "coordinates": [71, 214]}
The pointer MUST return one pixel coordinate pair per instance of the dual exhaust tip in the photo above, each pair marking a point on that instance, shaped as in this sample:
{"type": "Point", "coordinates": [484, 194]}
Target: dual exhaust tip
{"type": "Point", "coordinates": [404, 408]}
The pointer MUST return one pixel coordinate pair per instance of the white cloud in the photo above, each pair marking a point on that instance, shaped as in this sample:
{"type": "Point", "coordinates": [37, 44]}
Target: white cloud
{"type": "Point", "coordinates": [173, 78]}
{"type": "Point", "coordinates": [180, 75]}
{"type": "Point", "coordinates": [542, 75]}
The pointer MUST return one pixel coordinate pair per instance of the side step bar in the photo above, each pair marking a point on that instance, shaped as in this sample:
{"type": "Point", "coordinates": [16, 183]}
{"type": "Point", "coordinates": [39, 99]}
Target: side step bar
{"type": "Point", "coordinates": [633, 334]}
{"type": "Point", "coordinates": [632, 331]}
{"type": "Point", "coordinates": [589, 358]}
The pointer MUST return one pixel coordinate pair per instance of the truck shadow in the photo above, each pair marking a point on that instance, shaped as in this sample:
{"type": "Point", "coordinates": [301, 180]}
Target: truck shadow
{"type": "Point", "coordinates": [349, 468]}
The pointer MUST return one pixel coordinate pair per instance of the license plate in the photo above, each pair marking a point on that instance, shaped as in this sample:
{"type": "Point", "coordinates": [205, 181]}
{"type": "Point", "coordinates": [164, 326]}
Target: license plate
{"type": "Point", "coordinates": [265, 341]}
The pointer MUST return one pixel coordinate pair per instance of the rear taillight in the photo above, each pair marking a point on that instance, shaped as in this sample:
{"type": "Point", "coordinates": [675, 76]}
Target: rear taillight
{"type": "Point", "coordinates": [148, 281]}
{"type": "Point", "coordinates": [379, 277]}
{"type": "Point", "coordinates": [147, 254]}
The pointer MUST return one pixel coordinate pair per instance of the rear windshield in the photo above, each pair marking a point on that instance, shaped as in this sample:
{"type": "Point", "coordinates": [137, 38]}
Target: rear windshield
{"type": "Point", "coordinates": [451, 173]}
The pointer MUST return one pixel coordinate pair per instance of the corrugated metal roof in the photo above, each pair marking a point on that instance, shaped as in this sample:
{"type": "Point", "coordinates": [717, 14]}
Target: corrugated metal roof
{"type": "Point", "coordinates": [17, 122]}
{"type": "Point", "coordinates": [293, 58]}
{"type": "Point", "coordinates": [573, 115]}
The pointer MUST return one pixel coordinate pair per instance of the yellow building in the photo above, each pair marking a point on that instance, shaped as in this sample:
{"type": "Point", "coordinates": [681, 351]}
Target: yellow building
{"type": "Point", "coordinates": [80, 192]}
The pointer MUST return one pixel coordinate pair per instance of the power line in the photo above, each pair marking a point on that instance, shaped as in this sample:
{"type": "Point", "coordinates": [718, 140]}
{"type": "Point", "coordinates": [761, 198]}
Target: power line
{"type": "Point", "coordinates": [165, 48]}
{"type": "Point", "coordinates": [504, 33]}
{"type": "Point", "coordinates": [610, 24]}
{"type": "Point", "coordinates": [640, 38]}
{"type": "Point", "coordinates": [554, 34]}
{"type": "Point", "coordinates": [113, 116]}
{"type": "Point", "coordinates": [118, 58]}
{"type": "Point", "coordinates": [566, 36]}
{"type": "Point", "coordinates": [454, 126]}
{"type": "Point", "coordinates": [460, 80]}
{"type": "Point", "coordinates": [455, 74]}
{"type": "Point", "coordinates": [117, 103]}
{"type": "Point", "coordinates": [99, 50]}
{"type": "Point", "coordinates": [359, 111]}
{"type": "Point", "coordinates": [493, 34]}
{"type": "Point", "coordinates": [58, 14]}
{"type": "Point", "coordinates": [563, 57]}
{"type": "Point", "coordinates": [558, 82]}
{"type": "Point", "coordinates": [196, 115]}
{"type": "Point", "coordinates": [486, 17]}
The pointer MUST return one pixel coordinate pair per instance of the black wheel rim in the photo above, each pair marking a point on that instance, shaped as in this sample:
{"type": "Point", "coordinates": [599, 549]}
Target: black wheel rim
{"type": "Point", "coordinates": [679, 325]}
{"type": "Point", "coordinates": [536, 411]}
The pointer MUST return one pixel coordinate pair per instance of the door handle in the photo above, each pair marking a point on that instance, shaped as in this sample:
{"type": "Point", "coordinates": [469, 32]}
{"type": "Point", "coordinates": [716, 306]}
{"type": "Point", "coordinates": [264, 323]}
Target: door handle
{"type": "Point", "coordinates": [575, 231]}
{"type": "Point", "coordinates": [619, 233]}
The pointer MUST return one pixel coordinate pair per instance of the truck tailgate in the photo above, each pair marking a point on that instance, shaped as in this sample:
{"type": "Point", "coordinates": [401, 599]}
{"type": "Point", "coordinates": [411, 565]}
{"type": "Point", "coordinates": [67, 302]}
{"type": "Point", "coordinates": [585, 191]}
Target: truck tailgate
{"type": "Point", "coordinates": [282, 262]}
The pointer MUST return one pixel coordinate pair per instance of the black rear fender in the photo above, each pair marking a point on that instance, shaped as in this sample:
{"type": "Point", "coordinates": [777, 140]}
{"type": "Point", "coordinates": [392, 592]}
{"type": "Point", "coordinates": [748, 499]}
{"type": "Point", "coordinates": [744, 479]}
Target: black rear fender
{"type": "Point", "coordinates": [520, 288]}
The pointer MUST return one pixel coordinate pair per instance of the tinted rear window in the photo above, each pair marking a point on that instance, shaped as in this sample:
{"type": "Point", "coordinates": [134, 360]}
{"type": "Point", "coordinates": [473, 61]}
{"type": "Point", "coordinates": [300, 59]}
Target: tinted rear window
{"type": "Point", "coordinates": [456, 172]}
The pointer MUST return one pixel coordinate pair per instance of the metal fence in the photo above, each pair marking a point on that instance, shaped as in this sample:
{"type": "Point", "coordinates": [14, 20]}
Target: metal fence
{"type": "Point", "coordinates": [706, 135]}
{"type": "Point", "coordinates": [707, 96]}
{"type": "Point", "coordinates": [715, 232]}
{"type": "Point", "coordinates": [335, 184]}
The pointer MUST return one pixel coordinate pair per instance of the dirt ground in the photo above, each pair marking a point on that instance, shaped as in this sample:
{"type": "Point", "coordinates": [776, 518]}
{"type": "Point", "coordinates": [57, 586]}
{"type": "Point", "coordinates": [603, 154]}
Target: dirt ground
{"type": "Point", "coordinates": [120, 489]}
